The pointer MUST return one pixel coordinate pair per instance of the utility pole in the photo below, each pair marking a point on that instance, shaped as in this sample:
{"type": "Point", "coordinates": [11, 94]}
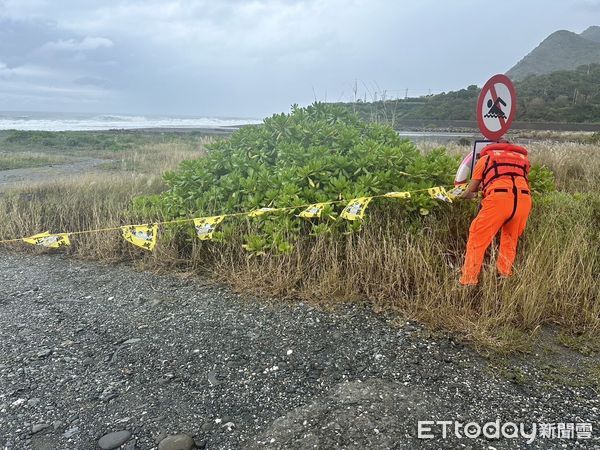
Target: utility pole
{"type": "Point", "coordinates": [355, 91]}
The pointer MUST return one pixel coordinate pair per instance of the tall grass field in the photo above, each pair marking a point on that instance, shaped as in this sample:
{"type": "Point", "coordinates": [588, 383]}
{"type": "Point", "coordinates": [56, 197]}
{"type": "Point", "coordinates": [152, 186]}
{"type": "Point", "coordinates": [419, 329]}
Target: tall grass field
{"type": "Point", "coordinates": [403, 258]}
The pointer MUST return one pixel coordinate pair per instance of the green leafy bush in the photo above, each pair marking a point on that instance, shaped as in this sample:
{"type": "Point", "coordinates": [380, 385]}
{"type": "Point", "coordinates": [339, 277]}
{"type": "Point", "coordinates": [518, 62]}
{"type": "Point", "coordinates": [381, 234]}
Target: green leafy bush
{"type": "Point", "coordinates": [315, 154]}
{"type": "Point", "coordinates": [541, 179]}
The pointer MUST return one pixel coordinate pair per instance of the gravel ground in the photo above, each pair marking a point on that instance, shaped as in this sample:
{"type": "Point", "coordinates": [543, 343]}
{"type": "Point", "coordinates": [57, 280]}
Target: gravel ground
{"type": "Point", "coordinates": [17, 177]}
{"type": "Point", "coordinates": [88, 350]}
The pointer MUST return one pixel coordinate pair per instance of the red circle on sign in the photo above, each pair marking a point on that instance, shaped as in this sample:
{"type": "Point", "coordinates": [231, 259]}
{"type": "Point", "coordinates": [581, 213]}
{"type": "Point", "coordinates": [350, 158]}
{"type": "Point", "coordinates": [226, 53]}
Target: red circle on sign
{"type": "Point", "coordinates": [488, 111]}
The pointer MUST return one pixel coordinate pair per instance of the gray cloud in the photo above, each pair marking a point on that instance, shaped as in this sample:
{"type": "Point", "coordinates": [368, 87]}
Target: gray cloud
{"type": "Point", "coordinates": [92, 81]}
{"type": "Point", "coordinates": [85, 44]}
{"type": "Point", "coordinates": [235, 57]}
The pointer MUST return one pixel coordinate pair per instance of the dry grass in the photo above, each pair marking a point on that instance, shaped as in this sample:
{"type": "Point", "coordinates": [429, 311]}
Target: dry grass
{"type": "Point", "coordinates": [576, 166]}
{"type": "Point", "coordinates": [415, 272]}
{"type": "Point", "coordinates": [157, 158]}
{"type": "Point", "coordinates": [28, 159]}
{"type": "Point", "coordinates": [93, 201]}
{"type": "Point", "coordinates": [79, 203]}
{"type": "Point", "coordinates": [395, 264]}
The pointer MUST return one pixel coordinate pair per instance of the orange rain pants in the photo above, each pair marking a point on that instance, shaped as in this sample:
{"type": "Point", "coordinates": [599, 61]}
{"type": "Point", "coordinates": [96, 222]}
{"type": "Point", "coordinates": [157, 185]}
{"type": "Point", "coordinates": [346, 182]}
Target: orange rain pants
{"type": "Point", "coordinates": [499, 211]}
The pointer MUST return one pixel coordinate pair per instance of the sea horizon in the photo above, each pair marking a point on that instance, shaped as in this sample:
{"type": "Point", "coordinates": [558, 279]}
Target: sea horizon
{"type": "Point", "coordinates": [66, 121]}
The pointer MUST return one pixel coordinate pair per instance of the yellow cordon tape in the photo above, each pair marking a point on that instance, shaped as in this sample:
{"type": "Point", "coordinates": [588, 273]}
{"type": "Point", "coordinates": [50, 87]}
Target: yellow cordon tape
{"type": "Point", "coordinates": [145, 235]}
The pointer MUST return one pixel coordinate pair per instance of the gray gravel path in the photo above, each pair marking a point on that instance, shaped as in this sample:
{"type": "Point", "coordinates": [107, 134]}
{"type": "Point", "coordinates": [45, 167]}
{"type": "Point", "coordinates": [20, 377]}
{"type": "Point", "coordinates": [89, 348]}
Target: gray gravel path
{"type": "Point", "coordinates": [17, 177]}
{"type": "Point", "coordinates": [89, 349]}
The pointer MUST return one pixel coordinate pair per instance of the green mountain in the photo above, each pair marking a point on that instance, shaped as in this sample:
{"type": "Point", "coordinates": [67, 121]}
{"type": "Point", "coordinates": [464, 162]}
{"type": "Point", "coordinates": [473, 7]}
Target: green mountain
{"type": "Point", "coordinates": [562, 50]}
{"type": "Point", "coordinates": [592, 34]}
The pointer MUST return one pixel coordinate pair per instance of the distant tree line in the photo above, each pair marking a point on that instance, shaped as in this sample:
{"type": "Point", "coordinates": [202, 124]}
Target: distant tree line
{"type": "Point", "coordinates": [563, 96]}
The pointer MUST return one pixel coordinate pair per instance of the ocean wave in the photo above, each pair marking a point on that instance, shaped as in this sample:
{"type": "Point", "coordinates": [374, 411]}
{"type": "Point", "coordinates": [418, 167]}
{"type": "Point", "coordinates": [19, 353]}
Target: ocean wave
{"type": "Point", "coordinates": [62, 122]}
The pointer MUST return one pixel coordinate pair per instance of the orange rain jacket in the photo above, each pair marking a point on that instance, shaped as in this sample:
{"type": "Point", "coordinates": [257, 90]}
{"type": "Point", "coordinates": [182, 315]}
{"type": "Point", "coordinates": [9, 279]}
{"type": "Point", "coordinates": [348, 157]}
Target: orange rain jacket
{"type": "Point", "coordinates": [503, 170]}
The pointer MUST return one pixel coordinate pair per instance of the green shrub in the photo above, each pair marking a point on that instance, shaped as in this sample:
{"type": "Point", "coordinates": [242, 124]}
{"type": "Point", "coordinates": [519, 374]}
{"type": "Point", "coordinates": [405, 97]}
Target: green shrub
{"type": "Point", "coordinates": [541, 179]}
{"type": "Point", "coordinates": [315, 154]}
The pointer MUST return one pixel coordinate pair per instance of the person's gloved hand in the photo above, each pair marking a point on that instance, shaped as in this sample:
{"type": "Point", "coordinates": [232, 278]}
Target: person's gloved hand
{"type": "Point", "coordinates": [468, 195]}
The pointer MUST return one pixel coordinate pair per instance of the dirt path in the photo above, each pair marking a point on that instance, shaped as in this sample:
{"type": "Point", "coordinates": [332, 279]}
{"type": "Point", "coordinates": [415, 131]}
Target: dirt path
{"type": "Point", "coordinates": [87, 350]}
{"type": "Point", "coordinates": [18, 177]}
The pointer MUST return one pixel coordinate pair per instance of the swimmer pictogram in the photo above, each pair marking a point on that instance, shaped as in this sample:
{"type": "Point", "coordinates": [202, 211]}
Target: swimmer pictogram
{"type": "Point", "coordinates": [495, 109]}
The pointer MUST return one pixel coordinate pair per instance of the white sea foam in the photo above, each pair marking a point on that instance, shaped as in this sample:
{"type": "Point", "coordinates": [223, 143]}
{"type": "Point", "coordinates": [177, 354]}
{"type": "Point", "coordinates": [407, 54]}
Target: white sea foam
{"type": "Point", "coordinates": [90, 122]}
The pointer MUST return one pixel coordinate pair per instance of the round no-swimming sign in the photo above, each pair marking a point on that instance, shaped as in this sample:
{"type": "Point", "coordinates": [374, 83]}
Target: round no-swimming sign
{"type": "Point", "coordinates": [496, 107]}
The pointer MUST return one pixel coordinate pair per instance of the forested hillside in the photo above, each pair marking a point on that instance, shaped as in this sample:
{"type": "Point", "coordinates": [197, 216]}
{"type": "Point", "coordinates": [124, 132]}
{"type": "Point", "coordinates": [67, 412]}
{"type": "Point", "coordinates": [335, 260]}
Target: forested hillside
{"type": "Point", "coordinates": [563, 96]}
{"type": "Point", "coordinates": [562, 50]}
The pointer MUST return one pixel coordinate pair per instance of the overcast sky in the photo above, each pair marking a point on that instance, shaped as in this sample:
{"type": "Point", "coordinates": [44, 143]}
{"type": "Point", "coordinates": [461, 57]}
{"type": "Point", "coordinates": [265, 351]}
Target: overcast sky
{"type": "Point", "coordinates": [254, 58]}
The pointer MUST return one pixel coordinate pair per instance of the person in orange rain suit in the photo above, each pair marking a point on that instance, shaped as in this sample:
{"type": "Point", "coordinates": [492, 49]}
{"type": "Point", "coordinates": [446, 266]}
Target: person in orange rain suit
{"type": "Point", "coordinates": [502, 172]}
